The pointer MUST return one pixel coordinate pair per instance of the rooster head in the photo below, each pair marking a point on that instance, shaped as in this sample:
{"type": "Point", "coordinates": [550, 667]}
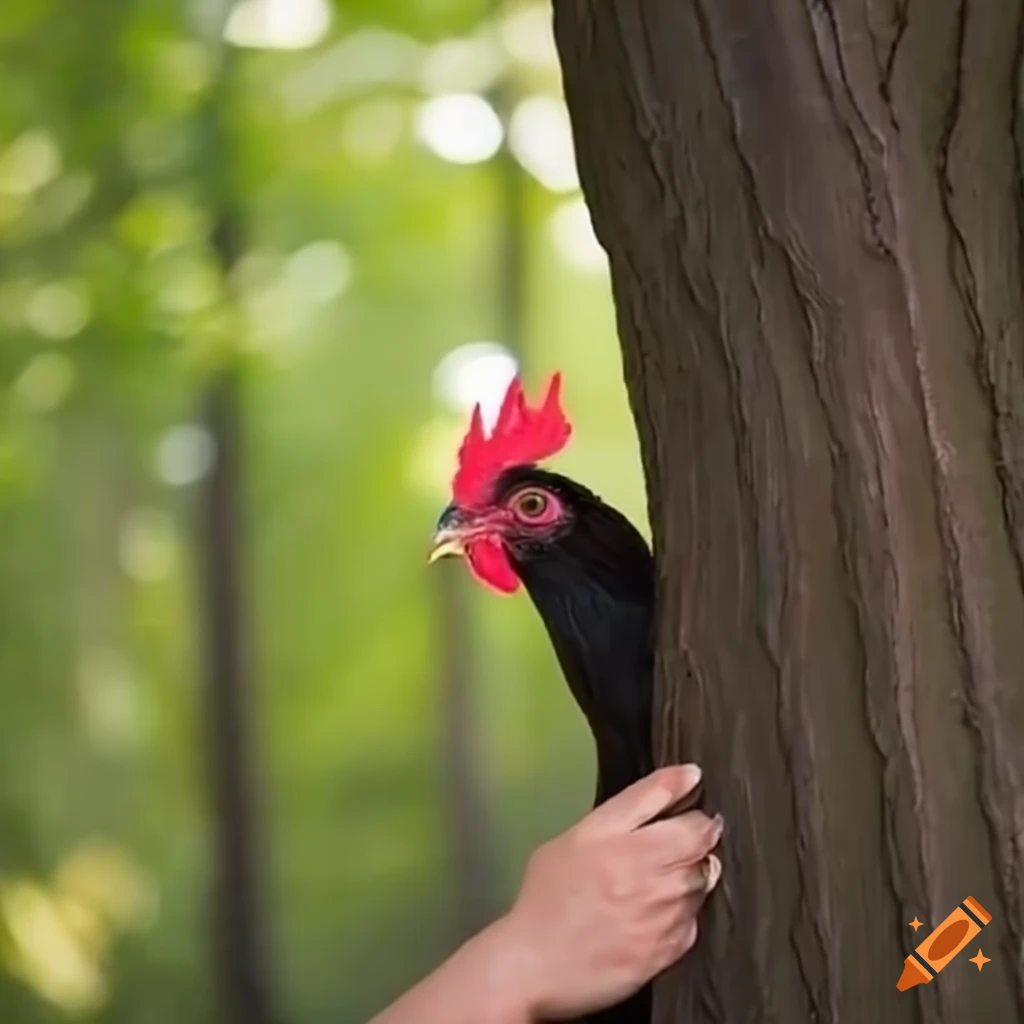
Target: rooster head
{"type": "Point", "coordinates": [502, 506]}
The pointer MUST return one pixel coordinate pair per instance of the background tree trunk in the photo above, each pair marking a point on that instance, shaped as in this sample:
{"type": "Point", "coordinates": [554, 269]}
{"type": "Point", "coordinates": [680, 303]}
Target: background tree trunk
{"type": "Point", "coordinates": [813, 212]}
{"type": "Point", "coordinates": [245, 966]}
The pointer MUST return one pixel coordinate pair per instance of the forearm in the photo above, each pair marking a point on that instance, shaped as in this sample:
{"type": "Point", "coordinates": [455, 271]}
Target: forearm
{"type": "Point", "coordinates": [481, 983]}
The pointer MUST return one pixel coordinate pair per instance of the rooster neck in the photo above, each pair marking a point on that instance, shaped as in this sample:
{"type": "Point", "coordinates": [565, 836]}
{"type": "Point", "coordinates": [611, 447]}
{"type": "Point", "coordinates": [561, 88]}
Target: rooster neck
{"type": "Point", "coordinates": [594, 591]}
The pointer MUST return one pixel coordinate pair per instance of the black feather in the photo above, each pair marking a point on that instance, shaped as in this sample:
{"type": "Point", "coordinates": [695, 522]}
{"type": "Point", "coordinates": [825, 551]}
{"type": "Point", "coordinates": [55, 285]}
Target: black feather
{"type": "Point", "coordinates": [592, 581]}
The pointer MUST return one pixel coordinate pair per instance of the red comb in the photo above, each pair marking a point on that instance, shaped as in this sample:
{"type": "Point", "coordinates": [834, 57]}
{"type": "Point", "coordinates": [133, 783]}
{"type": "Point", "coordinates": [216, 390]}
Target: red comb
{"type": "Point", "coordinates": [520, 436]}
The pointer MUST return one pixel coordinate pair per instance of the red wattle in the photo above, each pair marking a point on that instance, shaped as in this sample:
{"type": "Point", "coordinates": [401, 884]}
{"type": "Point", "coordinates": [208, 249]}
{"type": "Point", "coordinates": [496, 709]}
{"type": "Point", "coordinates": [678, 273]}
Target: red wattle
{"type": "Point", "coordinates": [490, 564]}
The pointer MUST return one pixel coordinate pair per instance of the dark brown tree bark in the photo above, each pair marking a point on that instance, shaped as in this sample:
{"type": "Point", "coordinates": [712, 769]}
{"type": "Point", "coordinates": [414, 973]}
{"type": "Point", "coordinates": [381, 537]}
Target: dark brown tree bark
{"type": "Point", "coordinates": [813, 213]}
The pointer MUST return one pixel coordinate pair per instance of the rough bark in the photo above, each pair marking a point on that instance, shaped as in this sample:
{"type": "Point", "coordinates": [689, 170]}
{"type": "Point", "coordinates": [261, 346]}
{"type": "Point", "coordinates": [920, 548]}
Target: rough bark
{"type": "Point", "coordinates": [813, 214]}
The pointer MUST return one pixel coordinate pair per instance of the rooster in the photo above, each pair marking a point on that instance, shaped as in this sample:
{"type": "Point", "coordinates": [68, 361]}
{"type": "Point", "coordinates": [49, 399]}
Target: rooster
{"type": "Point", "coordinates": [587, 570]}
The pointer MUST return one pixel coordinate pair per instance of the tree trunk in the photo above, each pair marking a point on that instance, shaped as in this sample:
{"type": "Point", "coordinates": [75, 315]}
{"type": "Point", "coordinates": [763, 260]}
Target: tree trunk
{"type": "Point", "coordinates": [240, 949]}
{"type": "Point", "coordinates": [244, 964]}
{"type": "Point", "coordinates": [463, 769]}
{"type": "Point", "coordinates": [813, 214]}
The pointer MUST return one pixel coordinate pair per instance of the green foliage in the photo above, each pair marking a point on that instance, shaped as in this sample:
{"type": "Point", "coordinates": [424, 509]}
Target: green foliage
{"type": "Point", "coordinates": [124, 139]}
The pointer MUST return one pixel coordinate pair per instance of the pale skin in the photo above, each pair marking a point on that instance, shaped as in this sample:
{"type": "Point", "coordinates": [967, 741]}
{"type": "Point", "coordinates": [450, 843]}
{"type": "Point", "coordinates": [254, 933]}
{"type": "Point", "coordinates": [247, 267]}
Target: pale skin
{"type": "Point", "coordinates": [602, 909]}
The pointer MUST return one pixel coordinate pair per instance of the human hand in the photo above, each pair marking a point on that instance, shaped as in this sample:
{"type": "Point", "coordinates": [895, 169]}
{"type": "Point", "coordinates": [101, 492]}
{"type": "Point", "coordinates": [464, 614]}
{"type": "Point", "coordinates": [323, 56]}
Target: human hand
{"type": "Point", "coordinates": [612, 902]}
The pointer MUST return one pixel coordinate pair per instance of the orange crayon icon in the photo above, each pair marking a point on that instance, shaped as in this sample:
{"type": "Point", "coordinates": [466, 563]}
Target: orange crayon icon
{"type": "Point", "coordinates": [943, 944]}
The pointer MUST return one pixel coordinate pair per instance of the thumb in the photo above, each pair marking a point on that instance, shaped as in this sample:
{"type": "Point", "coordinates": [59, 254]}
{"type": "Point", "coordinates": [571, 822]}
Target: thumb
{"type": "Point", "coordinates": [639, 803]}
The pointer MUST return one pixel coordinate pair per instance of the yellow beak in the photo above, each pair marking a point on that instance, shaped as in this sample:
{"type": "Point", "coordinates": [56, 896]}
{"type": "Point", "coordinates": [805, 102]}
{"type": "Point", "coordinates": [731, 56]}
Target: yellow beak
{"type": "Point", "coordinates": [446, 543]}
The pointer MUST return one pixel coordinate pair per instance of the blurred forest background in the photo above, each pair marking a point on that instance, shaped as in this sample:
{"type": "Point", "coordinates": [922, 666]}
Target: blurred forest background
{"type": "Point", "coordinates": [328, 228]}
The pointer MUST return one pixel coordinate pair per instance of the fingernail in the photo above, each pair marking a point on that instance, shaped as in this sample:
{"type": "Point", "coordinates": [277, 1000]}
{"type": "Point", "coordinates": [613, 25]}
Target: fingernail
{"type": "Point", "coordinates": [716, 826]}
{"type": "Point", "coordinates": [693, 773]}
{"type": "Point", "coordinates": [714, 872]}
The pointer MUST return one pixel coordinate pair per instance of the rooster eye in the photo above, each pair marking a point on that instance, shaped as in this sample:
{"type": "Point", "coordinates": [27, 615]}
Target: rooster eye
{"type": "Point", "coordinates": [531, 504]}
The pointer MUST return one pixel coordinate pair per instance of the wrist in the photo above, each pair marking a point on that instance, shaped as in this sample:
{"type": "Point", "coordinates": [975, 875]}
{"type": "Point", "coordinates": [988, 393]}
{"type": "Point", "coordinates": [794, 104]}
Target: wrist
{"type": "Point", "coordinates": [484, 982]}
{"type": "Point", "coordinates": [503, 965]}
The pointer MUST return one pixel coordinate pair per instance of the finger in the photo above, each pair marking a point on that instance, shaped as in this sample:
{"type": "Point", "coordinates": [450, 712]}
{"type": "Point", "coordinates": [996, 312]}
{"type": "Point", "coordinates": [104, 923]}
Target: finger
{"type": "Point", "coordinates": [688, 936]}
{"type": "Point", "coordinates": [693, 880]}
{"type": "Point", "coordinates": [687, 910]}
{"type": "Point", "coordinates": [683, 840]}
{"type": "Point", "coordinates": [714, 873]}
{"type": "Point", "coordinates": [693, 887]}
{"type": "Point", "coordinates": [681, 940]}
{"type": "Point", "coordinates": [686, 913]}
{"type": "Point", "coordinates": [676, 886]}
{"type": "Point", "coordinates": [687, 802]}
{"type": "Point", "coordinates": [640, 802]}
{"type": "Point", "coordinates": [700, 878]}
{"type": "Point", "coordinates": [710, 875]}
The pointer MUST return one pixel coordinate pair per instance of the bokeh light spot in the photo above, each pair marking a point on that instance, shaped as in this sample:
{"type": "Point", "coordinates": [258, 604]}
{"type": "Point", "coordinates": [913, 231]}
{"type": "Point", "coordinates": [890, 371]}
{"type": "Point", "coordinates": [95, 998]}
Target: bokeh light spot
{"type": "Point", "coordinates": [476, 373]}
{"type": "Point", "coordinates": [278, 24]}
{"type": "Point", "coordinates": [572, 232]}
{"type": "Point", "coordinates": [528, 36]}
{"type": "Point", "coordinates": [185, 455]}
{"type": "Point", "coordinates": [470, 65]}
{"type": "Point", "coordinates": [540, 136]}
{"type": "Point", "coordinates": [462, 128]}
{"type": "Point", "coordinates": [58, 310]}
{"type": "Point", "coordinates": [320, 270]}
{"type": "Point", "coordinates": [31, 161]}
